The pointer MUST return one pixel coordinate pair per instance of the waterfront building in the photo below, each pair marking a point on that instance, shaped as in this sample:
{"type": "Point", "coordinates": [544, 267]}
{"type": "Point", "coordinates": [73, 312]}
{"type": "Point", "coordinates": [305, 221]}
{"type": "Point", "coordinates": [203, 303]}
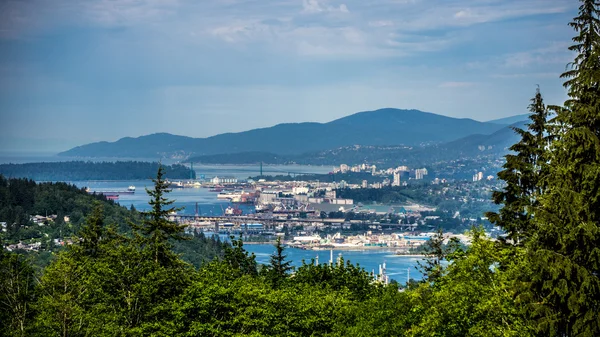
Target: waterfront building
{"type": "Point", "coordinates": [224, 180]}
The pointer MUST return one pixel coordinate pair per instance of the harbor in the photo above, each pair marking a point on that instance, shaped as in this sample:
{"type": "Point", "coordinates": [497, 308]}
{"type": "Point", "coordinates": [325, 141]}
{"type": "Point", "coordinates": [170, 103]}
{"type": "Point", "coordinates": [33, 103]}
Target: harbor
{"type": "Point", "coordinates": [202, 210]}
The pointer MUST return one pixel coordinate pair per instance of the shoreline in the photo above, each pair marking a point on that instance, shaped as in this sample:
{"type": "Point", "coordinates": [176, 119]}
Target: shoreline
{"type": "Point", "coordinates": [342, 248]}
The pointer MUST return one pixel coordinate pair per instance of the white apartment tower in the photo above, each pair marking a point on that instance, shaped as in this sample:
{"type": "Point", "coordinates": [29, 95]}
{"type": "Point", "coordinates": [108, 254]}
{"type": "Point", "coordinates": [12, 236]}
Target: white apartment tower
{"type": "Point", "coordinates": [396, 181]}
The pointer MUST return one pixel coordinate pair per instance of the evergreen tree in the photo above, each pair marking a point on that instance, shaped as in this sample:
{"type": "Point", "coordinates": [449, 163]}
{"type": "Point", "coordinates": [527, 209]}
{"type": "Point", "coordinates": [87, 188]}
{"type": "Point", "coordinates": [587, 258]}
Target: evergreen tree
{"type": "Point", "coordinates": [473, 297]}
{"type": "Point", "coordinates": [563, 286]}
{"type": "Point", "coordinates": [238, 259]}
{"type": "Point", "coordinates": [278, 268]}
{"type": "Point", "coordinates": [16, 294]}
{"type": "Point", "coordinates": [432, 267]}
{"type": "Point", "coordinates": [522, 172]}
{"type": "Point", "coordinates": [92, 232]}
{"type": "Point", "coordinates": [156, 228]}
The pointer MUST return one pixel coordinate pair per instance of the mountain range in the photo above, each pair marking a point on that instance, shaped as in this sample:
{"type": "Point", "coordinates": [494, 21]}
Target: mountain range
{"type": "Point", "coordinates": [470, 147]}
{"type": "Point", "coordinates": [381, 127]}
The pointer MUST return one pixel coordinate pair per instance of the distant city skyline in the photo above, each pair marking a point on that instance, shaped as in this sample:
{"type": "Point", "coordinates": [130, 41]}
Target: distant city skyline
{"type": "Point", "coordinates": [75, 72]}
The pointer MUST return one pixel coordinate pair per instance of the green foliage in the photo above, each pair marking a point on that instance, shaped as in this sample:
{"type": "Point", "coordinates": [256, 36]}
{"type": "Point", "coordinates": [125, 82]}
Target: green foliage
{"type": "Point", "coordinates": [437, 254]}
{"type": "Point", "coordinates": [340, 276]}
{"type": "Point", "coordinates": [80, 170]}
{"type": "Point", "coordinates": [523, 173]}
{"type": "Point", "coordinates": [156, 230]}
{"type": "Point", "coordinates": [17, 291]}
{"type": "Point", "coordinates": [472, 297]}
{"type": "Point", "coordinates": [238, 259]}
{"type": "Point", "coordinates": [277, 271]}
{"type": "Point", "coordinates": [562, 285]}
{"type": "Point", "coordinates": [199, 249]}
{"type": "Point", "coordinates": [22, 198]}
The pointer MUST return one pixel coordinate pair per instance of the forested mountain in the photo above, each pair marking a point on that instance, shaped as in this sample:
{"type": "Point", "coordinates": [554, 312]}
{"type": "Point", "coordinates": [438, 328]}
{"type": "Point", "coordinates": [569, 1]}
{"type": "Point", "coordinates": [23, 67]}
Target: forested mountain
{"type": "Point", "coordinates": [380, 127]}
{"type": "Point", "coordinates": [80, 170]}
{"type": "Point", "coordinates": [64, 209]}
{"type": "Point", "coordinates": [472, 146]}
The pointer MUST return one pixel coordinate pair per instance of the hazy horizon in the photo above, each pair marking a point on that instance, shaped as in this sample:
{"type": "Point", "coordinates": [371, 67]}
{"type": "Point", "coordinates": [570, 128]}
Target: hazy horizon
{"type": "Point", "coordinates": [30, 147]}
{"type": "Point", "coordinates": [79, 72]}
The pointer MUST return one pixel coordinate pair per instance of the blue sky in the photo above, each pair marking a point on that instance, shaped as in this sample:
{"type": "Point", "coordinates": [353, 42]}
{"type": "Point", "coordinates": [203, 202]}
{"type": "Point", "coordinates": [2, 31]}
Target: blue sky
{"type": "Point", "coordinates": [73, 72]}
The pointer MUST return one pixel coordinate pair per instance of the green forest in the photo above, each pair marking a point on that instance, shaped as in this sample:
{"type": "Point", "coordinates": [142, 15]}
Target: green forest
{"type": "Point", "coordinates": [87, 170]}
{"type": "Point", "coordinates": [541, 279]}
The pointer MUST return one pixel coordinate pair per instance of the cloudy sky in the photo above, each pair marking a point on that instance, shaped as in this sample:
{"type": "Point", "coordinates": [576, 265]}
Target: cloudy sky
{"type": "Point", "coordinates": [73, 72]}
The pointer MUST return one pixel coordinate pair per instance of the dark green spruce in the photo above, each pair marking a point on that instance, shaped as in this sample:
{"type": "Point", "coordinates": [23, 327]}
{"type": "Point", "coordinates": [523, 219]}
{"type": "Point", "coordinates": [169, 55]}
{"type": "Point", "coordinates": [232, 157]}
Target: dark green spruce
{"type": "Point", "coordinates": [522, 174]}
{"type": "Point", "coordinates": [564, 250]}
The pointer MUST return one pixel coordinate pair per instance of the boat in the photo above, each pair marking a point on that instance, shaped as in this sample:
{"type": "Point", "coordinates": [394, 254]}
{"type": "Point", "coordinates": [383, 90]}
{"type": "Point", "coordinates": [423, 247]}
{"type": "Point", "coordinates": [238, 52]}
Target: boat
{"type": "Point", "coordinates": [227, 196]}
{"type": "Point", "coordinates": [175, 184]}
{"type": "Point", "coordinates": [233, 211]}
{"type": "Point", "coordinates": [131, 188]}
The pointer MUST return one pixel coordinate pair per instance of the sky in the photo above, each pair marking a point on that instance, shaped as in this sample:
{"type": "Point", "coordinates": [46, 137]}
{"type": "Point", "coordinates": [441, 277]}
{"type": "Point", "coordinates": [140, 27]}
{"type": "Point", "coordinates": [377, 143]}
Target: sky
{"type": "Point", "coordinates": [75, 72]}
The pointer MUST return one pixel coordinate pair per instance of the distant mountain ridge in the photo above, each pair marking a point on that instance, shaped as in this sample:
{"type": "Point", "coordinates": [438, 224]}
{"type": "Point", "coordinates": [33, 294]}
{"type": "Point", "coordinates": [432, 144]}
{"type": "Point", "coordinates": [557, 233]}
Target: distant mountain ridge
{"type": "Point", "coordinates": [472, 146]}
{"type": "Point", "coordinates": [510, 120]}
{"type": "Point", "coordinates": [380, 127]}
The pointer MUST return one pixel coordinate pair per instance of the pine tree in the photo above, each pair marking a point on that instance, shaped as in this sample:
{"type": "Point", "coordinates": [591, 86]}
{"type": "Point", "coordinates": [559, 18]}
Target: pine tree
{"type": "Point", "coordinates": [238, 259]}
{"type": "Point", "coordinates": [522, 173]}
{"type": "Point", "coordinates": [92, 232]}
{"type": "Point", "coordinates": [278, 268]}
{"type": "Point", "coordinates": [564, 250]}
{"type": "Point", "coordinates": [432, 268]}
{"type": "Point", "coordinates": [156, 228]}
{"type": "Point", "coordinates": [17, 293]}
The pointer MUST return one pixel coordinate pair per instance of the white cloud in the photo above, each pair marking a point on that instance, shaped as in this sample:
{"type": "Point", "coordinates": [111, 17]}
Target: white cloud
{"type": "Point", "coordinates": [320, 6]}
{"type": "Point", "coordinates": [489, 13]}
{"type": "Point", "coordinates": [555, 53]}
{"type": "Point", "coordinates": [311, 6]}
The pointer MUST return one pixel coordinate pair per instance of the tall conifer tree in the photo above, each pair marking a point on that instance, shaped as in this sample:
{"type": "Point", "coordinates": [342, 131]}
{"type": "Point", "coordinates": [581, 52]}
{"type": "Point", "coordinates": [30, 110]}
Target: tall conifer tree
{"type": "Point", "coordinates": [278, 268]}
{"type": "Point", "coordinates": [522, 173]}
{"type": "Point", "coordinates": [564, 251]}
{"type": "Point", "coordinates": [156, 227]}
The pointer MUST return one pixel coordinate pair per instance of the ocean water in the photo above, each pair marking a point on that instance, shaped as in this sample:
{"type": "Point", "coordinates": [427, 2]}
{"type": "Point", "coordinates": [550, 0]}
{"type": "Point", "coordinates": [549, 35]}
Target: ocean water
{"type": "Point", "coordinates": [398, 268]}
{"type": "Point", "coordinates": [185, 198]}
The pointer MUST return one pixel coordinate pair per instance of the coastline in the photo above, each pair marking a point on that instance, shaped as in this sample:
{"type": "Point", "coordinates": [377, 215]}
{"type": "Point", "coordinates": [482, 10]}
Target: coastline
{"type": "Point", "coordinates": [343, 248]}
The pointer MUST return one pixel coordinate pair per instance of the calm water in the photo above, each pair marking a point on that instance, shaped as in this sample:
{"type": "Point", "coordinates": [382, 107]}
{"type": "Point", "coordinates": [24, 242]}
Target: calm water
{"type": "Point", "coordinates": [397, 267]}
{"type": "Point", "coordinates": [188, 197]}
{"type": "Point", "coordinates": [184, 197]}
